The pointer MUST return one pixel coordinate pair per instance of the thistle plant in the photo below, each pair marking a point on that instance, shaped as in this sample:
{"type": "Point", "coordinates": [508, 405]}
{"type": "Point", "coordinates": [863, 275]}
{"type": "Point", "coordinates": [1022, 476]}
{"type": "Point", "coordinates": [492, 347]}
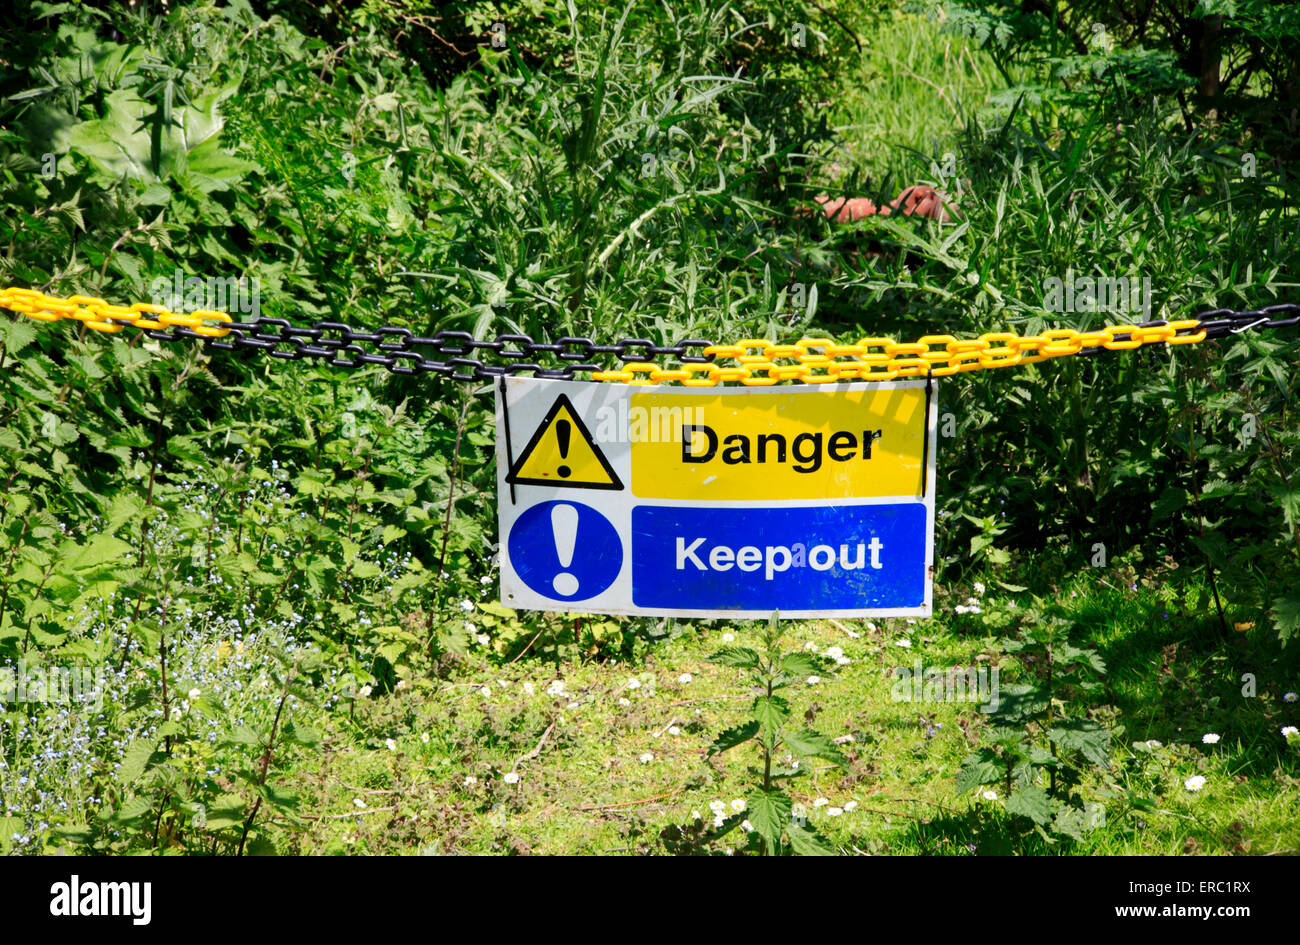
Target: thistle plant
{"type": "Point", "coordinates": [769, 808]}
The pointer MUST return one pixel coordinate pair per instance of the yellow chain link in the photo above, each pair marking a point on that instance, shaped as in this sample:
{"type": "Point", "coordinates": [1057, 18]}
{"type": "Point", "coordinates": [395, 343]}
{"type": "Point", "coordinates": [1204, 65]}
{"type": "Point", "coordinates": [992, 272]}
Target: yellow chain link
{"type": "Point", "coordinates": [759, 362]}
{"type": "Point", "coordinates": [819, 360]}
{"type": "Point", "coordinates": [94, 313]}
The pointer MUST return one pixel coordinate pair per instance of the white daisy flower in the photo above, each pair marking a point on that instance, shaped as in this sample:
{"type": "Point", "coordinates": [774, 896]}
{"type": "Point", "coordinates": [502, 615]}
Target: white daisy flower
{"type": "Point", "coordinates": [1290, 697]}
{"type": "Point", "coordinates": [358, 802]}
{"type": "Point", "coordinates": [390, 744]}
{"type": "Point", "coordinates": [717, 806]}
{"type": "Point", "coordinates": [470, 780]}
{"type": "Point", "coordinates": [851, 805]}
{"type": "Point", "coordinates": [1288, 730]}
{"type": "Point", "coordinates": [979, 588]}
{"type": "Point", "coordinates": [467, 605]}
{"type": "Point", "coordinates": [728, 637]}
{"type": "Point", "coordinates": [529, 689]}
{"type": "Point", "coordinates": [810, 646]}
{"type": "Point", "coordinates": [1194, 783]}
{"type": "Point", "coordinates": [674, 730]}
{"type": "Point", "coordinates": [194, 694]}
{"type": "Point", "coordinates": [510, 777]}
{"type": "Point", "coordinates": [403, 684]}
{"type": "Point", "coordinates": [634, 684]}
{"type": "Point", "coordinates": [646, 758]}
{"type": "Point", "coordinates": [1210, 738]}
{"type": "Point", "coordinates": [834, 652]}
{"type": "Point", "coordinates": [738, 805]}
{"type": "Point", "coordinates": [624, 701]}
{"type": "Point", "coordinates": [834, 811]}
{"type": "Point", "coordinates": [814, 680]}
{"type": "Point", "coordinates": [424, 737]}
{"type": "Point", "coordinates": [486, 692]}
{"type": "Point", "coordinates": [484, 639]}
{"type": "Point", "coordinates": [684, 678]}
{"type": "Point", "coordinates": [905, 644]}
{"type": "Point", "coordinates": [820, 802]}
{"type": "Point", "coordinates": [990, 795]}
{"type": "Point", "coordinates": [365, 691]}
{"type": "Point", "coordinates": [746, 826]}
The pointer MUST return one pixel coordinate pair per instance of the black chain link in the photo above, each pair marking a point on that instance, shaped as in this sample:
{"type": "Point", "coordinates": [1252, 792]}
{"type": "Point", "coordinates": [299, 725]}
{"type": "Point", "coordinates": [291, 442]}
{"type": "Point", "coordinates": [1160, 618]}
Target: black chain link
{"type": "Point", "coordinates": [455, 355]}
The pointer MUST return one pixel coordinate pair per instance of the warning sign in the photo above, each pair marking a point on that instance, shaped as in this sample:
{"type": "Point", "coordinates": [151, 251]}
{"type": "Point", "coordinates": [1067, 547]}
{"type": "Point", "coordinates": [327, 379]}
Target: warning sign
{"type": "Point", "coordinates": [807, 501]}
{"type": "Point", "coordinates": [562, 453]}
{"type": "Point", "coordinates": [782, 445]}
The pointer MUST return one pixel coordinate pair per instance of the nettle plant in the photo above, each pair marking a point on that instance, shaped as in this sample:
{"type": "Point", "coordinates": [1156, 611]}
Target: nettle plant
{"type": "Point", "coordinates": [769, 808]}
{"type": "Point", "coordinates": [1037, 750]}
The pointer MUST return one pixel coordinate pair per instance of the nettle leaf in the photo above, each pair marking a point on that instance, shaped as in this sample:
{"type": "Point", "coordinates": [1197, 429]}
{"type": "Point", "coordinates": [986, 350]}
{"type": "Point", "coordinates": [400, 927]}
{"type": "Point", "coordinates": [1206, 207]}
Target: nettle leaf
{"type": "Point", "coordinates": [979, 768]}
{"type": "Point", "coordinates": [100, 550]}
{"type": "Point", "coordinates": [733, 737]}
{"type": "Point", "coordinates": [771, 711]}
{"type": "Point", "coordinates": [803, 664]}
{"type": "Point", "coordinates": [1020, 703]}
{"type": "Point", "coordinates": [809, 744]}
{"type": "Point", "coordinates": [1086, 737]}
{"type": "Point", "coordinates": [135, 761]}
{"type": "Point", "coordinates": [1031, 801]}
{"type": "Point", "coordinates": [18, 334]}
{"type": "Point", "coordinates": [1286, 616]}
{"type": "Point", "coordinates": [133, 809]}
{"type": "Point", "coordinates": [769, 813]}
{"type": "Point", "coordinates": [1070, 822]}
{"type": "Point", "coordinates": [742, 657]}
{"type": "Point", "coordinates": [807, 842]}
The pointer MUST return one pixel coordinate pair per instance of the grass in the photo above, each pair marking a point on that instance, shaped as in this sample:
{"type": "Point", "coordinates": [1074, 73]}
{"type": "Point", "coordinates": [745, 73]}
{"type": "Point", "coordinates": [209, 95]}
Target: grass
{"type": "Point", "coordinates": [317, 546]}
{"type": "Point", "coordinates": [584, 788]}
{"type": "Point", "coordinates": [905, 99]}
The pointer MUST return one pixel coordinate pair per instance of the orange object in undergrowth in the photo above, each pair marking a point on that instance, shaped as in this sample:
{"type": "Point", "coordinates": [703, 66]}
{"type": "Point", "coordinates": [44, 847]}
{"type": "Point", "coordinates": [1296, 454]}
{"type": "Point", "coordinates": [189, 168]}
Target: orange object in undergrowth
{"type": "Point", "coordinates": [921, 200]}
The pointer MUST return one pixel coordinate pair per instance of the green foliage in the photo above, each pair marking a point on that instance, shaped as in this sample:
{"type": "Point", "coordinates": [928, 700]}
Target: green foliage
{"type": "Point", "coordinates": [769, 808]}
{"type": "Point", "coordinates": [297, 544]}
{"type": "Point", "coordinates": [1036, 751]}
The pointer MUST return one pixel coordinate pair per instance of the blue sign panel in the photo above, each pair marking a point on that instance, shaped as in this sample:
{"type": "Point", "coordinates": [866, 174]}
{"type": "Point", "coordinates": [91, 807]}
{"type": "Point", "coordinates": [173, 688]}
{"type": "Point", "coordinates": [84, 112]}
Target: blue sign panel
{"type": "Point", "coordinates": [791, 558]}
{"type": "Point", "coordinates": [566, 551]}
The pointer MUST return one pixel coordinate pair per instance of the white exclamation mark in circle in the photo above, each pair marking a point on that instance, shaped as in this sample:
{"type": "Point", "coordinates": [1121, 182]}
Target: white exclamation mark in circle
{"type": "Point", "coordinates": [564, 526]}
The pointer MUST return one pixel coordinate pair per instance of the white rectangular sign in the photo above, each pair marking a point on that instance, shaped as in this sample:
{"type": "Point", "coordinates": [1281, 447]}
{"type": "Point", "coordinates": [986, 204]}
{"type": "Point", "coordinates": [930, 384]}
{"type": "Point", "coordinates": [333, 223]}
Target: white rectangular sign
{"type": "Point", "coordinates": [810, 500]}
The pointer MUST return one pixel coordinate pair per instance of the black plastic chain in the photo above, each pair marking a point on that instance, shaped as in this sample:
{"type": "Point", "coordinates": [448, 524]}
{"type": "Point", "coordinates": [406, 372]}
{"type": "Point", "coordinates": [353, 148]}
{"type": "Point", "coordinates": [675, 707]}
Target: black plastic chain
{"type": "Point", "coordinates": [458, 356]}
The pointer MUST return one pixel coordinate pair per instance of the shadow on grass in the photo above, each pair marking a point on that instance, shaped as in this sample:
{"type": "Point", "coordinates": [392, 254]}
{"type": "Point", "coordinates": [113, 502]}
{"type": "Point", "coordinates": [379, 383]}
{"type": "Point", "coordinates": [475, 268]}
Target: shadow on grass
{"type": "Point", "coordinates": [977, 832]}
{"type": "Point", "coordinates": [1175, 677]}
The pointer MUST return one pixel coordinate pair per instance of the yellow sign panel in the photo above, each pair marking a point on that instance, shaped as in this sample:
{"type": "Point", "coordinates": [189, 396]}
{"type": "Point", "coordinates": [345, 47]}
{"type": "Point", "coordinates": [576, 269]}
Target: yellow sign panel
{"type": "Point", "coordinates": [562, 453]}
{"type": "Point", "coordinates": [795, 444]}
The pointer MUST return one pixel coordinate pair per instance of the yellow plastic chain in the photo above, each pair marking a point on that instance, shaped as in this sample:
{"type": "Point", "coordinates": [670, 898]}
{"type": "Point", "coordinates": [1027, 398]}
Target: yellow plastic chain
{"type": "Point", "coordinates": [758, 362]}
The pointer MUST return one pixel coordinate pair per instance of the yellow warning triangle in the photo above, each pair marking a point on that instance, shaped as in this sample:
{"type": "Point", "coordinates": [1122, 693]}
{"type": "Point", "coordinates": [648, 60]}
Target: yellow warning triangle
{"type": "Point", "coordinates": [562, 453]}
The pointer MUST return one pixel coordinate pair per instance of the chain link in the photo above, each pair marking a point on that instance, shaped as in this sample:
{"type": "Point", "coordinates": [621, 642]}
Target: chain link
{"type": "Point", "coordinates": [456, 355]}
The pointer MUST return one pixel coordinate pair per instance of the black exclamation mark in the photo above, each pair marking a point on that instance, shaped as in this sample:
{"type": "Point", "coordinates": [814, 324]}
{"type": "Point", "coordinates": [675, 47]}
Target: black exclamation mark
{"type": "Point", "coordinates": [562, 431]}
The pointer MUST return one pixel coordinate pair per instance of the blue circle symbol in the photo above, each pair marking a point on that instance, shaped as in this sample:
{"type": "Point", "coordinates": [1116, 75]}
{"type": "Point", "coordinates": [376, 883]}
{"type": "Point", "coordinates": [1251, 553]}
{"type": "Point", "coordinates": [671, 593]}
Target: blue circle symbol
{"type": "Point", "coordinates": [565, 550]}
